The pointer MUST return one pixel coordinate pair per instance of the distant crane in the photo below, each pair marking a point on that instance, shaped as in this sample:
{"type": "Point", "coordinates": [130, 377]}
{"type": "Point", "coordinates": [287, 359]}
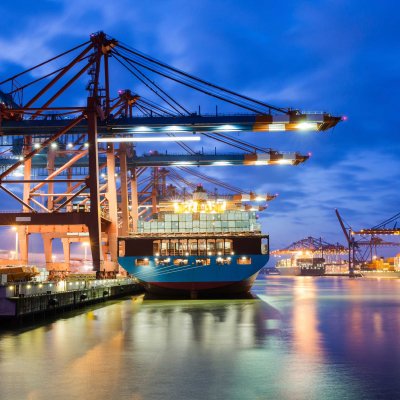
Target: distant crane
{"type": "Point", "coordinates": [312, 247]}
{"type": "Point", "coordinates": [363, 244]}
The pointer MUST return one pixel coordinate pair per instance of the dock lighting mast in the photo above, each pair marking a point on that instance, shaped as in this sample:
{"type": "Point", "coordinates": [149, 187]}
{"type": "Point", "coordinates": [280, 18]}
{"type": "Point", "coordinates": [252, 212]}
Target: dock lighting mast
{"type": "Point", "coordinates": [71, 169]}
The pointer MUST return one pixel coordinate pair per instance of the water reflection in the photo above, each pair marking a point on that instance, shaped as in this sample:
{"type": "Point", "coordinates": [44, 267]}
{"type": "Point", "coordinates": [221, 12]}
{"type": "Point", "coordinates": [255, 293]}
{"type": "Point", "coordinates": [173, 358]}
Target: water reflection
{"type": "Point", "coordinates": [306, 336]}
{"type": "Point", "coordinates": [303, 339]}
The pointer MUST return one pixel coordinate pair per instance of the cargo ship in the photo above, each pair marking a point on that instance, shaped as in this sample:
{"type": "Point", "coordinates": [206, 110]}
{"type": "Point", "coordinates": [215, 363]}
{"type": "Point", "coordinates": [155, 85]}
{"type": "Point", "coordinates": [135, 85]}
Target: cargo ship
{"type": "Point", "coordinates": [312, 266]}
{"type": "Point", "coordinates": [202, 248]}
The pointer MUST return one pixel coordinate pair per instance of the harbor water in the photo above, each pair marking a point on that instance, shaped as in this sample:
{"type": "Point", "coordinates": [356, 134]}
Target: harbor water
{"type": "Point", "coordinates": [299, 338]}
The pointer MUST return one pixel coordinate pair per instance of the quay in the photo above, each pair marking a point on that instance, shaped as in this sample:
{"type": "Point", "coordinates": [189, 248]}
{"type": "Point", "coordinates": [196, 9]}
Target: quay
{"type": "Point", "coordinates": [19, 301]}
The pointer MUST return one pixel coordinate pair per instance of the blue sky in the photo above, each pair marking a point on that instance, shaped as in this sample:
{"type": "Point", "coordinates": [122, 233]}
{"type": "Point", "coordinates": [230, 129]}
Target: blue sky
{"type": "Point", "coordinates": [337, 56]}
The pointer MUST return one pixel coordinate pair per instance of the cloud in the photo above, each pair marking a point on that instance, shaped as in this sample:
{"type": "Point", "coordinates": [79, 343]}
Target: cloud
{"type": "Point", "coordinates": [339, 56]}
{"type": "Point", "coordinates": [361, 186]}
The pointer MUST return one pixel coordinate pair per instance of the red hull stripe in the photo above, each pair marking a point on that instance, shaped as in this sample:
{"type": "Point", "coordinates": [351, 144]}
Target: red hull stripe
{"type": "Point", "coordinates": [190, 285]}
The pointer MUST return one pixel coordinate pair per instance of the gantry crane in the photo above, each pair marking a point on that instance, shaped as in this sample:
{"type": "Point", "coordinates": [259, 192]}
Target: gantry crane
{"type": "Point", "coordinates": [68, 154]}
{"type": "Point", "coordinates": [312, 247]}
{"type": "Point", "coordinates": [363, 244]}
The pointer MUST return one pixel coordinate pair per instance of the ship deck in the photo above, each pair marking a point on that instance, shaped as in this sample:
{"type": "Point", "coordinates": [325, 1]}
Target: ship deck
{"type": "Point", "coordinates": [193, 235]}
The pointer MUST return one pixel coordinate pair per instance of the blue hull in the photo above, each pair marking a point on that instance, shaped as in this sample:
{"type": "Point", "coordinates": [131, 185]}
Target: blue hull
{"type": "Point", "coordinates": [232, 278]}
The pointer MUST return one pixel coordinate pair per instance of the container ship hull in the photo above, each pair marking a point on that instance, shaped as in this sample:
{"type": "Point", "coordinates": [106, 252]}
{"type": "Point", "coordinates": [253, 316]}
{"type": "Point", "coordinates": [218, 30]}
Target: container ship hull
{"type": "Point", "coordinates": [200, 289]}
{"type": "Point", "coordinates": [195, 276]}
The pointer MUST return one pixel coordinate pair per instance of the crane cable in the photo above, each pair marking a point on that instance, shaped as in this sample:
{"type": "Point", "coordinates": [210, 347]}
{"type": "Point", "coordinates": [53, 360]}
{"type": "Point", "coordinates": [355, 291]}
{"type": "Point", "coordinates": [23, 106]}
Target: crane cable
{"type": "Point", "coordinates": [153, 60]}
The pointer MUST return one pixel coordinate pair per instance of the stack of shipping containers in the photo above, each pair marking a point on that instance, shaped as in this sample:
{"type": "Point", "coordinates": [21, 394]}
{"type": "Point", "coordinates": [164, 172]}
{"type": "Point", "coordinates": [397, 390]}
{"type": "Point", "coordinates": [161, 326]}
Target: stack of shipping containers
{"type": "Point", "coordinates": [229, 221]}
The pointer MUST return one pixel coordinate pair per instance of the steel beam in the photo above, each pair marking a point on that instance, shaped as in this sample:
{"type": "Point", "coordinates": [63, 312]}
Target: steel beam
{"type": "Point", "coordinates": [184, 124]}
{"type": "Point", "coordinates": [93, 183]}
{"type": "Point", "coordinates": [111, 195]}
{"type": "Point", "coordinates": [124, 190]}
{"type": "Point", "coordinates": [134, 200]}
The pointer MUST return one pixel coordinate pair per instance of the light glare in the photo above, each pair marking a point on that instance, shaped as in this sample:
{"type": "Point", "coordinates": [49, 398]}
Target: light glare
{"type": "Point", "coordinates": [151, 139]}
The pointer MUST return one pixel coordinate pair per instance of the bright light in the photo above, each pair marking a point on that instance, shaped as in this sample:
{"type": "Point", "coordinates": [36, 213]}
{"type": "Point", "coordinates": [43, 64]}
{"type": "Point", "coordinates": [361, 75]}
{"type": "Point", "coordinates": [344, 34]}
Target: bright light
{"type": "Point", "coordinates": [221, 163]}
{"type": "Point", "coordinates": [228, 128]}
{"type": "Point", "coordinates": [70, 145]}
{"type": "Point", "coordinates": [259, 198]}
{"type": "Point", "coordinates": [307, 126]}
{"type": "Point", "coordinates": [276, 127]}
{"type": "Point", "coordinates": [284, 162]}
{"type": "Point", "coordinates": [174, 128]}
{"type": "Point", "coordinates": [142, 129]}
{"type": "Point", "coordinates": [21, 158]}
{"type": "Point", "coordinates": [28, 286]}
{"type": "Point", "coordinates": [184, 163]}
{"type": "Point", "coordinates": [86, 145]}
{"type": "Point", "coordinates": [54, 145]}
{"type": "Point", "coordinates": [36, 145]}
{"type": "Point", "coordinates": [14, 228]}
{"type": "Point", "coordinates": [151, 139]}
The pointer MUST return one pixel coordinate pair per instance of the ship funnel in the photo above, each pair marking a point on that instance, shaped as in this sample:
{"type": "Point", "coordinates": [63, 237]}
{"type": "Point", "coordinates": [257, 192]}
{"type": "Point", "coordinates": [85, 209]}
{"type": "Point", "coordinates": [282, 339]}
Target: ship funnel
{"type": "Point", "coordinates": [200, 194]}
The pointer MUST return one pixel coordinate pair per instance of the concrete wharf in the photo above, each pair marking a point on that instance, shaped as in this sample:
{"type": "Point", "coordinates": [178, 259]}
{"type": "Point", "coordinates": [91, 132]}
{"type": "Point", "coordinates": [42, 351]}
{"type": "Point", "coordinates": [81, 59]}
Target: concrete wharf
{"type": "Point", "coordinates": [21, 300]}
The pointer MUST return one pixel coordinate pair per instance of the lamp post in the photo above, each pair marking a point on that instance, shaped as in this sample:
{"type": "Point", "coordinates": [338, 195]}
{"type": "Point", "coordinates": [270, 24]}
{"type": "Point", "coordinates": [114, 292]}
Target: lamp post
{"type": "Point", "coordinates": [14, 228]}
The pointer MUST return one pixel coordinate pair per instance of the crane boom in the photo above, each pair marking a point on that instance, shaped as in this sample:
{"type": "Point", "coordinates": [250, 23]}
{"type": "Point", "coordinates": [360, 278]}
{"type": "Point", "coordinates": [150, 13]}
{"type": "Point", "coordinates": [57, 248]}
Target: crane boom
{"type": "Point", "coordinates": [342, 225]}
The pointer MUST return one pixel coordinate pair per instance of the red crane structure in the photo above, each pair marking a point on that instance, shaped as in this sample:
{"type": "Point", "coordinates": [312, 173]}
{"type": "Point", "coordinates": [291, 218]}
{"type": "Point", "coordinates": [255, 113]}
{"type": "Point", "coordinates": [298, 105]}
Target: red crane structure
{"type": "Point", "coordinates": [72, 169]}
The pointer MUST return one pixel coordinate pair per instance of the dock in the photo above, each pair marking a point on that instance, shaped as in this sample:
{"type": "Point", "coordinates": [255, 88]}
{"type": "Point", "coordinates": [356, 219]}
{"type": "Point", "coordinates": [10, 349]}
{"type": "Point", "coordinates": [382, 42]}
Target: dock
{"type": "Point", "coordinates": [19, 301]}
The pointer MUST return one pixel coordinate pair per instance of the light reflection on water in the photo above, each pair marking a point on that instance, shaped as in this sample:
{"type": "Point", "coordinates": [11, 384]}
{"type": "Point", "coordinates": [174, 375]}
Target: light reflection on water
{"type": "Point", "coordinates": [303, 338]}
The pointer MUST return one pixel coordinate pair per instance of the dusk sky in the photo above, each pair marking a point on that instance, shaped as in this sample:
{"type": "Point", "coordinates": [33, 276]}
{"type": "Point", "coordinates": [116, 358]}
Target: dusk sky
{"type": "Point", "coordinates": [336, 56]}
